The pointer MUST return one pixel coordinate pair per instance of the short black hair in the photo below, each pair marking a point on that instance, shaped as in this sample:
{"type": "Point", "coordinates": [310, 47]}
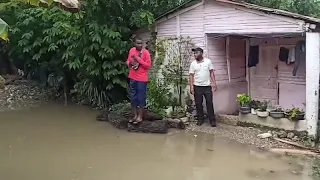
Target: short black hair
{"type": "Point", "coordinates": [197, 49]}
{"type": "Point", "coordinates": [137, 38]}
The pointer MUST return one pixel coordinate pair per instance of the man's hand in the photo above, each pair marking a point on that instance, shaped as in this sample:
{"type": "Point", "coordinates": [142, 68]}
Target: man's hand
{"type": "Point", "coordinates": [135, 57]}
{"type": "Point", "coordinates": [191, 90]}
{"type": "Point", "coordinates": [214, 87]}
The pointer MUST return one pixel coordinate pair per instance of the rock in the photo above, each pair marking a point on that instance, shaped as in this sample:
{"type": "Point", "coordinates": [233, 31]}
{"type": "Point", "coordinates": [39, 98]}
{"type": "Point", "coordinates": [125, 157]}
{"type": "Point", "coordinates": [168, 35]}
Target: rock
{"type": "Point", "coordinates": [184, 119]}
{"type": "Point", "coordinates": [296, 138]}
{"type": "Point", "coordinates": [282, 134]}
{"type": "Point", "coordinates": [159, 126]}
{"type": "Point", "coordinates": [176, 123]}
{"type": "Point", "coordinates": [290, 135]}
{"type": "Point", "coordinates": [117, 120]}
{"type": "Point", "coordinates": [173, 123]}
{"type": "Point", "coordinates": [264, 135]}
{"type": "Point", "coordinates": [103, 116]}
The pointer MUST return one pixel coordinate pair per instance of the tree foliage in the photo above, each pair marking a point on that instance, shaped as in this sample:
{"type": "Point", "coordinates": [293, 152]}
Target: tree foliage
{"type": "Point", "coordinates": [87, 48]}
{"type": "Point", "coordinates": [304, 7]}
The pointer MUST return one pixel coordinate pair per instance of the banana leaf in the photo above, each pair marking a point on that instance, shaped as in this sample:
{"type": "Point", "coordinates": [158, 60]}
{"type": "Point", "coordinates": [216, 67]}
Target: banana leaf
{"type": "Point", "coordinates": [4, 30]}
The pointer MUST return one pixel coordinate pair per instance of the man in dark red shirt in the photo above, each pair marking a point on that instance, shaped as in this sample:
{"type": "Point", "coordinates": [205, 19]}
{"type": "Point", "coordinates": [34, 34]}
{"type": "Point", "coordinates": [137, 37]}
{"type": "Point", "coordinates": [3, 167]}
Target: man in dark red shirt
{"type": "Point", "coordinates": [139, 62]}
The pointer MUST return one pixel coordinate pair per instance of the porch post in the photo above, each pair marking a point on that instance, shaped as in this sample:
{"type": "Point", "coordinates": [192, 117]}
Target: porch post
{"type": "Point", "coordinates": [312, 80]}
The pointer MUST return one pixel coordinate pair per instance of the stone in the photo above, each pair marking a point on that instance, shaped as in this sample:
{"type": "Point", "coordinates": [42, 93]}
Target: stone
{"type": "Point", "coordinates": [173, 123]}
{"type": "Point", "coordinates": [184, 119]}
{"type": "Point", "coordinates": [264, 135]}
{"type": "Point", "coordinates": [290, 135]}
{"type": "Point", "coordinates": [296, 138]}
{"type": "Point", "coordinates": [282, 134]}
{"type": "Point", "coordinates": [157, 126]}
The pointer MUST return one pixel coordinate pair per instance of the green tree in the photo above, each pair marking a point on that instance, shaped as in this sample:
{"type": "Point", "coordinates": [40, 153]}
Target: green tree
{"type": "Point", "coordinates": [304, 7]}
{"type": "Point", "coordinates": [88, 47]}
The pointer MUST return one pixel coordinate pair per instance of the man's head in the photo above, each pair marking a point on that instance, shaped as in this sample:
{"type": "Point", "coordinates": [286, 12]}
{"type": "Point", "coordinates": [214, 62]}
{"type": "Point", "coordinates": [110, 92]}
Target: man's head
{"type": "Point", "coordinates": [198, 53]}
{"type": "Point", "coordinates": [138, 43]}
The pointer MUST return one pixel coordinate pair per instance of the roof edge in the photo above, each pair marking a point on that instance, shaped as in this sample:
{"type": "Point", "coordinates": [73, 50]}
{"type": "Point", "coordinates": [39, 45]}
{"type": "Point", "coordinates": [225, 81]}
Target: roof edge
{"type": "Point", "coordinates": [182, 6]}
{"type": "Point", "coordinates": [278, 12]}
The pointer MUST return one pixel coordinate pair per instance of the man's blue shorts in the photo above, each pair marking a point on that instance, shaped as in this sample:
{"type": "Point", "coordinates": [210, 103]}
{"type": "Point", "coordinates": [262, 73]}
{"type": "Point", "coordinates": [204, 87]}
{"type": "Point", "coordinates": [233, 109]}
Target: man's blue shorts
{"type": "Point", "coordinates": [138, 92]}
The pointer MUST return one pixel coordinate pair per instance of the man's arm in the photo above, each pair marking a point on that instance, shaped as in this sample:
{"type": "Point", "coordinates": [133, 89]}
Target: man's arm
{"type": "Point", "coordinates": [191, 78]}
{"type": "Point", "coordinates": [129, 59]}
{"type": "Point", "coordinates": [212, 77]}
{"type": "Point", "coordinates": [146, 62]}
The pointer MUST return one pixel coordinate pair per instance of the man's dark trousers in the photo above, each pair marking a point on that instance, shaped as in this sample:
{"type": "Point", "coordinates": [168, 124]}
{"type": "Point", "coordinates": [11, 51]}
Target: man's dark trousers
{"type": "Point", "coordinates": [199, 92]}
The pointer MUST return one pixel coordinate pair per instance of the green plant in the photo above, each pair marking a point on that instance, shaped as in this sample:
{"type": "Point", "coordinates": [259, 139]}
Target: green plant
{"type": "Point", "coordinates": [243, 99]}
{"type": "Point", "coordinates": [294, 113]}
{"type": "Point", "coordinates": [263, 106]}
{"type": "Point", "coordinates": [158, 95]}
{"type": "Point", "coordinates": [254, 104]}
{"type": "Point", "coordinates": [177, 57]}
{"type": "Point", "coordinates": [277, 109]}
{"type": "Point", "coordinates": [178, 112]}
{"type": "Point", "coordinates": [88, 47]}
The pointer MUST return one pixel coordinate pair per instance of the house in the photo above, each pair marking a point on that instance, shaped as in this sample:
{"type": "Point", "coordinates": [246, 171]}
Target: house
{"type": "Point", "coordinates": [227, 30]}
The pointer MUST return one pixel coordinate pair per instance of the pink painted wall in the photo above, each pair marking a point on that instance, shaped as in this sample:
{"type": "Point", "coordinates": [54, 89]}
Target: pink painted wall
{"type": "Point", "coordinates": [225, 97]}
{"type": "Point", "coordinates": [220, 17]}
{"type": "Point", "coordinates": [212, 17]}
{"type": "Point", "coordinates": [266, 81]}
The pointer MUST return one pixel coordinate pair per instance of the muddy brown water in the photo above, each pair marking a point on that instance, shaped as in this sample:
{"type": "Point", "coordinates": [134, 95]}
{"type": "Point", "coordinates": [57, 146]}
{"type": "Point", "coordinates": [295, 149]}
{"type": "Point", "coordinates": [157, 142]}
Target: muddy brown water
{"type": "Point", "coordinates": [56, 143]}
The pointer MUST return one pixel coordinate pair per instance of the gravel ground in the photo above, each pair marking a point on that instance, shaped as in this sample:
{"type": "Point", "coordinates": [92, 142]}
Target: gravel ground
{"type": "Point", "coordinates": [22, 94]}
{"type": "Point", "coordinates": [244, 135]}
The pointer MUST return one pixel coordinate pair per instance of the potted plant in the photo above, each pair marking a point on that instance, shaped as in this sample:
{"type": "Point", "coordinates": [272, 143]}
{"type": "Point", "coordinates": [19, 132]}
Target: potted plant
{"type": "Point", "coordinates": [295, 114]}
{"type": "Point", "coordinates": [244, 102]}
{"type": "Point", "coordinates": [254, 104]}
{"type": "Point", "coordinates": [277, 112]}
{"type": "Point", "coordinates": [262, 110]}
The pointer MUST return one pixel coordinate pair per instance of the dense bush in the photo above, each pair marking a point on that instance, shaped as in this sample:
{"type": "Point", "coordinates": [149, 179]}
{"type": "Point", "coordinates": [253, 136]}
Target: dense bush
{"type": "Point", "coordinates": [84, 51]}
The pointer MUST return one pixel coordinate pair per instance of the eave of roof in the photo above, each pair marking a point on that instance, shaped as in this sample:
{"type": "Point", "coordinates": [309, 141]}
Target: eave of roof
{"type": "Point", "coordinates": [249, 6]}
{"type": "Point", "coordinates": [182, 6]}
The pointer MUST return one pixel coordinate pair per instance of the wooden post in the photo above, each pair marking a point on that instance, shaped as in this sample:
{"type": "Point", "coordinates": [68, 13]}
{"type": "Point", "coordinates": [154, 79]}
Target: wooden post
{"type": "Point", "coordinates": [312, 80]}
{"type": "Point", "coordinates": [228, 57]}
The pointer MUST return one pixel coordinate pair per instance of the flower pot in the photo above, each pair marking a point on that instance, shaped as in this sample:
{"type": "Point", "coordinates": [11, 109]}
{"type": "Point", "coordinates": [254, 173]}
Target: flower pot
{"type": "Point", "coordinates": [276, 114]}
{"type": "Point", "coordinates": [253, 111]}
{"type": "Point", "coordinates": [299, 117]}
{"type": "Point", "coordinates": [244, 109]}
{"type": "Point", "coordinates": [262, 114]}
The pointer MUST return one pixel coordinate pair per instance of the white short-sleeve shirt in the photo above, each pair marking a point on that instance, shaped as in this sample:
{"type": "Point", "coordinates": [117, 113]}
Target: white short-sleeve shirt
{"type": "Point", "coordinates": [201, 71]}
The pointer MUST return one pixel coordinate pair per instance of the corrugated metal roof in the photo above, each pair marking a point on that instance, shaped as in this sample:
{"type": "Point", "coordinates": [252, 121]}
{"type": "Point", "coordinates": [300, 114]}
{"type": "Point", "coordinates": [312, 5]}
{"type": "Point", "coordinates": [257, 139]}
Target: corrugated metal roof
{"type": "Point", "coordinates": [249, 6]}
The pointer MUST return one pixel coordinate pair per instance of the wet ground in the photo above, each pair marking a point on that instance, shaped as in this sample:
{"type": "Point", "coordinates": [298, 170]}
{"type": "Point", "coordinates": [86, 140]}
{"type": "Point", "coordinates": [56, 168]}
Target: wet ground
{"type": "Point", "coordinates": [57, 143]}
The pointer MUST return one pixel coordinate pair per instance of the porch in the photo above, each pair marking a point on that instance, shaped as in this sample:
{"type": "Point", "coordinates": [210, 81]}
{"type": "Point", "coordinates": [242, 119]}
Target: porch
{"type": "Point", "coordinates": [269, 79]}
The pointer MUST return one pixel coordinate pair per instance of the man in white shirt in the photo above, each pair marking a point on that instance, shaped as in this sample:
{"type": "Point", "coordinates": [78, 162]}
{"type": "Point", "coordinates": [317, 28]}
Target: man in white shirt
{"type": "Point", "coordinates": [202, 83]}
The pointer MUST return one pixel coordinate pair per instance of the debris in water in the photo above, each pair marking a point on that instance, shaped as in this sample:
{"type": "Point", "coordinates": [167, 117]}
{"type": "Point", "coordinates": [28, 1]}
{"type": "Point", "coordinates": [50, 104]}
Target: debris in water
{"type": "Point", "coordinates": [195, 135]}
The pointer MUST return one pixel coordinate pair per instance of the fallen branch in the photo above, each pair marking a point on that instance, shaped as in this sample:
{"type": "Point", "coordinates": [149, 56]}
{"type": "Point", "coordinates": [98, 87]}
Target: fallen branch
{"type": "Point", "coordinates": [294, 152]}
{"type": "Point", "coordinates": [293, 144]}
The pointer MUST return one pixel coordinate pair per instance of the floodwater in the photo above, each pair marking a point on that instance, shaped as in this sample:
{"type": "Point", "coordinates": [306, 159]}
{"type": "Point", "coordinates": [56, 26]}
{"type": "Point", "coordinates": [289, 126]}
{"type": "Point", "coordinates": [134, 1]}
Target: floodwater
{"type": "Point", "coordinates": [57, 143]}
